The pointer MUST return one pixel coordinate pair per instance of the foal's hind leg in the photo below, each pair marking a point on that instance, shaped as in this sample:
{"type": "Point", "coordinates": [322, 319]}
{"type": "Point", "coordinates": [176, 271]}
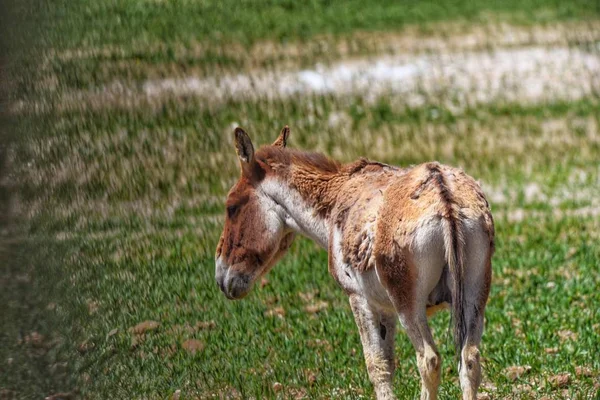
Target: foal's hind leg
{"type": "Point", "coordinates": [478, 277]}
{"type": "Point", "coordinates": [377, 333]}
{"type": "Point", "coordinates": [409, 299]}
{"type": "Point", "coordinates": [428, 358]}
{"type": "Point", "coordinates": [470, 366]}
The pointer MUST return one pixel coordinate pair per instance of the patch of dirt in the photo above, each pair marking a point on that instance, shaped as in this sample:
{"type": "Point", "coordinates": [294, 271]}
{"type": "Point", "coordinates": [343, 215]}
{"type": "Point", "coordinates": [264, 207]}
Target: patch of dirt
{"type": "Point", "coordinates": [192, 346]}
{"type": "Point", "coordinates": [144, 327]}
{"type": "Point", "coordinates": [516, 371]}
{"type": "Point", "coordinates": [316, 307]}
{"type": "Point", "coordinates": [560, 380]}
{"type": "Point", "coordinates": [278, 312]}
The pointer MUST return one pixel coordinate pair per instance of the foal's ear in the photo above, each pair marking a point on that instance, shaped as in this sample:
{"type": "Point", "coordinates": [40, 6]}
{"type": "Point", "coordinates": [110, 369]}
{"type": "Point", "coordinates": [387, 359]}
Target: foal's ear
{"type": "Point", "coordinates": [244, 149]}
{"type": "Point", "coordinates": [281, 140]}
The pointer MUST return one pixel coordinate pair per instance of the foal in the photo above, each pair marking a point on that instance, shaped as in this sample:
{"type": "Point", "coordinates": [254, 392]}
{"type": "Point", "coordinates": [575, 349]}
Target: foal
{"type": "Point", "coordinates": [402, 243]}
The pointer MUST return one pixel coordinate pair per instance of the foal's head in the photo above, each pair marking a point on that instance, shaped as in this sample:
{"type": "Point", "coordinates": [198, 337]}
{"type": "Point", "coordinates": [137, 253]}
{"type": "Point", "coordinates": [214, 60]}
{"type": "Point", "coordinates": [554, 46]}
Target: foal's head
{"type": "Point", "coordinates": [255, 236]}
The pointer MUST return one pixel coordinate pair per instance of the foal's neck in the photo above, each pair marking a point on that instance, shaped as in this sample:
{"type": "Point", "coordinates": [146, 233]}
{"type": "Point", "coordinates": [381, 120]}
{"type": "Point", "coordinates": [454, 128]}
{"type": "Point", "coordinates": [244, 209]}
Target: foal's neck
{"type": "Point", "coordinates": [307, 196]}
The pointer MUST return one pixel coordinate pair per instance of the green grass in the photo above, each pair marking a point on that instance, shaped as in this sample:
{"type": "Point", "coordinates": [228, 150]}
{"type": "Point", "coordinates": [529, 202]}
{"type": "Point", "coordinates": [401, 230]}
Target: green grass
{"type": "Point", "coordinates": [115, 211]}
{"type": "Point", "coordinates": [80, 24]}
{"type": "Point", "coordinates": [122, 22]}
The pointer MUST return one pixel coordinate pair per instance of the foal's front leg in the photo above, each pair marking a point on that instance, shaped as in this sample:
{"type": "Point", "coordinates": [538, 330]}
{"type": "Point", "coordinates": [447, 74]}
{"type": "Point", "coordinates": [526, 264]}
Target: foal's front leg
{"type": "Point", "coordinates": [377, 333]}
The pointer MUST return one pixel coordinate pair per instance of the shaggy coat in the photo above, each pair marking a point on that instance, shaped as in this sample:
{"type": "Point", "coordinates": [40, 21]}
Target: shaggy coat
{"type": "Point", "coordinates": [402, 243]}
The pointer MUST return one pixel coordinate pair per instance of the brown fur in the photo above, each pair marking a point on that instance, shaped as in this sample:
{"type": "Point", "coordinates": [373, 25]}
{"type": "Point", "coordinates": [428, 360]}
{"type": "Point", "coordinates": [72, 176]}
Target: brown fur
{"type": "Point", "coordinates": [348, 192]}
{"type": "Point", "coordinates": [377, 209]}
{"type": "Point", "coordinates": [236, 247]}
{"type": "Point", "coordinates": [316, 177]}
{"type": "Point", "coordinates": [360, 210]}
{"type": "Point", "coordinates": [488, 282]}
{"type": "Point", "coordinates": [391, 200]}
{"type": "Point", "coordinates": [240, 250]}
{"type": "Point", "coordinates": [313, 175]}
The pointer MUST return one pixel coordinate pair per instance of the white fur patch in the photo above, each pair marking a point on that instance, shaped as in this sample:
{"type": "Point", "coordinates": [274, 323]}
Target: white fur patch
{"type": "Point", "coordinates": [374, 291]}
{"type": "Point", "coordinates": [271, 216]}
{"type": "Point", "coordinates": [428, 255]}
{"type": "Point", "coordinates": [346, 275]}
{"type": "Point", "coordinates": [366, 283]}
{"type": "Point", "coordinates": [295, 212]}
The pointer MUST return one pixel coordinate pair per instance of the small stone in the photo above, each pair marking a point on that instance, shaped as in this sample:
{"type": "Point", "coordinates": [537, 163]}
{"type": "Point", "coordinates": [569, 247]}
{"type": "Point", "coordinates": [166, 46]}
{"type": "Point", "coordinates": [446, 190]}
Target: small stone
{"type": "Point", "coordinates": [560, 380]}
{"type": "Point", "coordinates": [316, 307]}
{"type": "Point", "coordinates": [275, 312]}
{"type": "Point", "coordinates": [205, 325]}
{"type": "Point", "coordinates": [308, 296]}
{"type": "Point", "coordinates": [566, 334]}
{"type": "Point", "coordinates": [85, 346]}
{"type": "Point", "coordinates": [92, 306]}
{"type": "Point", "coordinates": [584, 371]}
{"type": "Point", "coordinates": [277, 387]}
{"type": "Point", "coordinates": [61, 396]}
{"type": "Point", "coordinates": [112, 332]}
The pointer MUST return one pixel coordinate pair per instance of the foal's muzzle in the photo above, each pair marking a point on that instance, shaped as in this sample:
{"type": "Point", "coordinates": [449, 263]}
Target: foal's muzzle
{"type": "Point", "coordinates": [234, 285]}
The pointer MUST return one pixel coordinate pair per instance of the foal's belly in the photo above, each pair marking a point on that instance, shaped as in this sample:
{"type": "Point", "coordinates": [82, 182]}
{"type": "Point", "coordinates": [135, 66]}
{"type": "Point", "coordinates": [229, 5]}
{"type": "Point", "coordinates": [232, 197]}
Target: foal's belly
{"type": "Point", "coordinates": [377, 296]}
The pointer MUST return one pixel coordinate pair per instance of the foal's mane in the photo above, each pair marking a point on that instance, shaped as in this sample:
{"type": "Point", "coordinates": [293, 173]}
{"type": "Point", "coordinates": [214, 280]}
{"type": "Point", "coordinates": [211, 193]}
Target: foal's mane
{"type": "Point", "coordinates": [318, 178]}
{"type": "Point", "coordinates": [274, 155]}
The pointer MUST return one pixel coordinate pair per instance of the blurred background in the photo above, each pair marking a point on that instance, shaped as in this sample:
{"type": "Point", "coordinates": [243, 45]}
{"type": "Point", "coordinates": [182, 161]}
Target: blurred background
{"type": "Point", "coordinates": [116, 155]}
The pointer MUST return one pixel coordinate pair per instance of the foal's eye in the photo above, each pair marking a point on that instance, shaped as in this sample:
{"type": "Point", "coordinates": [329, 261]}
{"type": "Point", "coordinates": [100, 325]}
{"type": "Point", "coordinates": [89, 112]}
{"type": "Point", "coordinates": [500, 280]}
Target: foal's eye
{"type": "Point", "coordinates": [231, 210]}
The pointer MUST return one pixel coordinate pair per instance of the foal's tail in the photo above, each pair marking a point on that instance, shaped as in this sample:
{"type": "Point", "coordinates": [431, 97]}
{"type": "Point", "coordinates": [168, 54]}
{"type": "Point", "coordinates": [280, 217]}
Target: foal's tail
{"type": "Point", "coordinates": [454, 243]}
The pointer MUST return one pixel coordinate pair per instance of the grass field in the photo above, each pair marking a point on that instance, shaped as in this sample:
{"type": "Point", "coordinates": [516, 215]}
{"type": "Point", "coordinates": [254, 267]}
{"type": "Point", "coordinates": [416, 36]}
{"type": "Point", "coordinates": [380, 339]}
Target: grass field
{"type": "Point", "coordinates": [117, 155]}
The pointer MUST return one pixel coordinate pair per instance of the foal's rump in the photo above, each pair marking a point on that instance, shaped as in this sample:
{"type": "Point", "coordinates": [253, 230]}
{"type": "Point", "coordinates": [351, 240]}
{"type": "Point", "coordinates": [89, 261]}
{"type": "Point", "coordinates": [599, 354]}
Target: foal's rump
{"type": "Point", "coordinates": [431, 246]}
{"type": "Point", "coordinates": [429, 252]}
{"type": "Point", "coordinates": [434, 240]}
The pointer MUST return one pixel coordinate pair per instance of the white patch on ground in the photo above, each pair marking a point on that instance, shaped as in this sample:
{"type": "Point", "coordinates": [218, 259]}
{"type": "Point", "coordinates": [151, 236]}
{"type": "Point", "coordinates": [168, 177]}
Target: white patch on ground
{"type": "Point", "coordinates": [523, 75]}
{"type": "Point", "coordinates": [578, 197]}
{"type": "Point", "coordinates": [520, 214]}
{"type": "Point", "coordinates": [532, 193]}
